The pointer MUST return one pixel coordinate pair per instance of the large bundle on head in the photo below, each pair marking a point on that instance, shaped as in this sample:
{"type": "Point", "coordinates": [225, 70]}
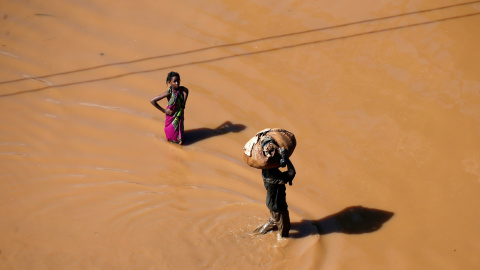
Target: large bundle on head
{"type": "Point", "coordinates": [262, 151]}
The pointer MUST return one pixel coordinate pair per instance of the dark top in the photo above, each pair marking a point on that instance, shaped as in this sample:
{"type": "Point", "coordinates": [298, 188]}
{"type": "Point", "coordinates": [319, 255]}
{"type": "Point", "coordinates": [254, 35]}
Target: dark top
{"type": "Point", "coordinates": [274, 181]}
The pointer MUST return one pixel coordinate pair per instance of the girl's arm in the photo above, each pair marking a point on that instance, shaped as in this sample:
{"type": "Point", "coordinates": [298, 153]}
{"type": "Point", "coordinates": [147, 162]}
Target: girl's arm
{"type": "Point", "coordinates": [160, 97]}
{"type": "Point", "coordinates": [185, 94]}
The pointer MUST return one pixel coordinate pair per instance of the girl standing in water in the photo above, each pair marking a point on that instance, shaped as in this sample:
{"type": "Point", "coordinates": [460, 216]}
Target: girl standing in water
{"type": "Point", "coordinates": [177, 98]}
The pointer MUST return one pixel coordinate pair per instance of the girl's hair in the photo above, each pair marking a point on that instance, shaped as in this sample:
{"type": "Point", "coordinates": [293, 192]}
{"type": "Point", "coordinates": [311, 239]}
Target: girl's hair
{"type": "Point", "coordinates": [172, 74]}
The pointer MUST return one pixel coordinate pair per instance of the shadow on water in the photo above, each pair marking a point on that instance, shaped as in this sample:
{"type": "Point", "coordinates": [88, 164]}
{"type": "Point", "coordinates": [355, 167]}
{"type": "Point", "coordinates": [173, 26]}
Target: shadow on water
{"type": "Point", "coordinates": [351, 220]}
{"type": "Point", "coordinates": [194, 135]}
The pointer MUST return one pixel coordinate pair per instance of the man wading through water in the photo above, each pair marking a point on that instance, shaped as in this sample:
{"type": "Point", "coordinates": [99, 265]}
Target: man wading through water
{"type": "Point", "coordinates": [274, 181]}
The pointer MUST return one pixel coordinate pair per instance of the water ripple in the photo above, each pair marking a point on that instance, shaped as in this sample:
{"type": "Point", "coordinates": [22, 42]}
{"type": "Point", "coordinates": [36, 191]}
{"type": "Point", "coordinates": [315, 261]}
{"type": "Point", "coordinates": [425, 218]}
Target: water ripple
{"type": "Point", "coordinates": [115, 108]}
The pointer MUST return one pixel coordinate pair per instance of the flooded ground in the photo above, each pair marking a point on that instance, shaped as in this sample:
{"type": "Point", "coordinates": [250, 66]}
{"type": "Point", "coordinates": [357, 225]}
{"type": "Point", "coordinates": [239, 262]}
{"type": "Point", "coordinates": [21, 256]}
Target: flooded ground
{"type": "Point", "coordinates": [383, 97]}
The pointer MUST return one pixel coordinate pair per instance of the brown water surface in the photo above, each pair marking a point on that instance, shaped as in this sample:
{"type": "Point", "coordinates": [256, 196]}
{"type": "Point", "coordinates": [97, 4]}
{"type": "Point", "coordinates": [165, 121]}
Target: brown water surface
{"type": "Point", "coordinates": [383, 97]}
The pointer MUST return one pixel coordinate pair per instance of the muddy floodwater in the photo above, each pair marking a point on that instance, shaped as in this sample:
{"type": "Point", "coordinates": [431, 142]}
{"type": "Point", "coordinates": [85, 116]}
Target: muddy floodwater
{"type": "Point", "coordinates": [382, 96]}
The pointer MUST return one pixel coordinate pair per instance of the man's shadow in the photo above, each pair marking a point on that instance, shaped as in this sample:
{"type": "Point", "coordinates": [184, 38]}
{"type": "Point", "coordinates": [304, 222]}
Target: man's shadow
{"type": "Point", "coordinates": [351, 220]}
{"type": "Point", "coordinates": [194, 135]}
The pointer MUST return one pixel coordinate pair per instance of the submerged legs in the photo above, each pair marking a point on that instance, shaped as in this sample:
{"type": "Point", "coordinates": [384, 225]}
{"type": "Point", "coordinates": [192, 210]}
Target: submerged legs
{"type": "Point", "coordinates": [278, 221]}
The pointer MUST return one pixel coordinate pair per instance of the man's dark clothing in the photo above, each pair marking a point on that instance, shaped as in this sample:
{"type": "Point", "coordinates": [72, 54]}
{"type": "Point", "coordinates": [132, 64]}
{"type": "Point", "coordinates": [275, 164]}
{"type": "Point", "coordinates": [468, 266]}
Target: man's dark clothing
{"type": "Point", "coordinates": [274, 181]}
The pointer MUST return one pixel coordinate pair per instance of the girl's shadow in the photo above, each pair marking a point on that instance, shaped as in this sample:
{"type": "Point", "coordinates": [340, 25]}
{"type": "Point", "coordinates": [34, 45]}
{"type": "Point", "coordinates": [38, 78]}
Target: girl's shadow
{"type": "Point", "coordinates": [194, 135]}
{"type": "Point", "coordinates": [351, 220]}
